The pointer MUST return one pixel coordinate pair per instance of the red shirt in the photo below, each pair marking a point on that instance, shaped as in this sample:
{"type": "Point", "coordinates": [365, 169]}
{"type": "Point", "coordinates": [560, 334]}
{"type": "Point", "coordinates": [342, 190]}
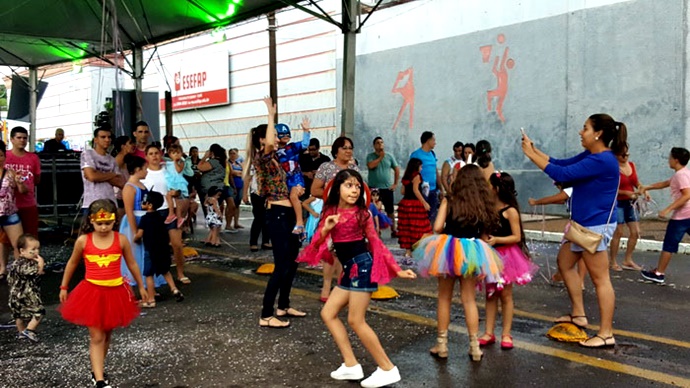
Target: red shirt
{"type": "Point", "coordinates": [103, 265]}
{"type": "Point", "coordinates": [628, 182]}
{"type": "Point", "coordinates": [28, 167]}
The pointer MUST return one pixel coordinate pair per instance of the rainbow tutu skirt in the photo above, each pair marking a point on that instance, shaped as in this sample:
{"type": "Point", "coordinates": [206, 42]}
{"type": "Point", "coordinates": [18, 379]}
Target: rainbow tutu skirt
{"type": "Point", "coordinates": [442, 255]}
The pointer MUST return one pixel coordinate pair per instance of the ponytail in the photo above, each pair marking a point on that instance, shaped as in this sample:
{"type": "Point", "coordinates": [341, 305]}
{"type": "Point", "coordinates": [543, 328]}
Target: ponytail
{"type": "Point", "coordinates": [614, 133]}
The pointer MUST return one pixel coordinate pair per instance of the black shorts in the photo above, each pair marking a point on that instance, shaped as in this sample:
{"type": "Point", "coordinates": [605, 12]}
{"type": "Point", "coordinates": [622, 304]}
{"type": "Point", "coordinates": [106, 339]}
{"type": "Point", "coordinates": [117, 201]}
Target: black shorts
{"type": "Point", "coordinates": [386, 197]}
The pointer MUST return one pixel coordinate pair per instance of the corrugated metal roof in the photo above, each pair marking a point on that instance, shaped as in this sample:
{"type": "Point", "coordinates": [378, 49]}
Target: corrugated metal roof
{"type": "Point", "coordinates": [42, 32]}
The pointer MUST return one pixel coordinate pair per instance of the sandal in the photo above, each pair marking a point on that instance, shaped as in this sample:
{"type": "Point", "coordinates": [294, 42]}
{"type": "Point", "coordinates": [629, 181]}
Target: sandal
{"type": "Point", "coordinates": [571, 319]}
{"type": "Point", "coordinates": [184, 280]}
{"type": "Point", "coordinates": [148, 305]}
{"type": "Point", "coordinates": [632, 267]}
{"type": "Point", "coordinates": [254, 248]}
{"type": "Point", "coordinates": [604, 344]}
{"type": "Point", "coordinates": [616, 268]}
{"type": "Point", "coordinates": [179, 297]}
{"type": "Point", "coordinates": [290, 312]}
{"type": "Point", "coordinates": [273, 323]}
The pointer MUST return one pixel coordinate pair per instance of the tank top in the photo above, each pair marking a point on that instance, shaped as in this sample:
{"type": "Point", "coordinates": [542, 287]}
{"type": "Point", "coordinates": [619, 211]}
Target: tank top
{"type": "Point", "coordinates": [462, 229]}
{"type": "Point", "coordinates": [504, 229]}
{"type": "Point", "coordinates": [409, 191]}
{"type": "Point", "coordinates": [103, 265]}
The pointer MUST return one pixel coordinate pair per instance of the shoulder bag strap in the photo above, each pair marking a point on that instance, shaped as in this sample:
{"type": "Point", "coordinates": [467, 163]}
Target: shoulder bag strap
{"type": "Point", "coordinates": [613, 205]}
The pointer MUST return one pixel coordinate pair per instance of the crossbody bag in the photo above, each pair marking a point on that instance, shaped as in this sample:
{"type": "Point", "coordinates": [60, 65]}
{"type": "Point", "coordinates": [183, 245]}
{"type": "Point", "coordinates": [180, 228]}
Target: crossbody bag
{"type": "Point", "coordinates": [580, 235]}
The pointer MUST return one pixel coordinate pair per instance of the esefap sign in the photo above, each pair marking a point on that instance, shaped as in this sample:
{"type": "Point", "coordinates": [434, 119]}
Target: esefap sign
{"type": "Point", "coordinates": [200, 80]}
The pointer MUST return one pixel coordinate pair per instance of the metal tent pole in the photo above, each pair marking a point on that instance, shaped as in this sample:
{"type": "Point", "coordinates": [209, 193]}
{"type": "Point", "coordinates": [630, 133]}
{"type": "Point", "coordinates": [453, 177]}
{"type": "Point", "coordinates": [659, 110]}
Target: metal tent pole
{"type": "Point", "coordinates": [33, 104]}
{"type": "Point", "coordinates": [350, 17]}
{"type": "Point", "coordinates": [138, 55]}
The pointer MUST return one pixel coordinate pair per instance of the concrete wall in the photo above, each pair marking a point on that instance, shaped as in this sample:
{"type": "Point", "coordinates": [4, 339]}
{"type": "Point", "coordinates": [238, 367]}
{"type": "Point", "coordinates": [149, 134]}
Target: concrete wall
{"type": "Point", "coordinates": [626, 59]}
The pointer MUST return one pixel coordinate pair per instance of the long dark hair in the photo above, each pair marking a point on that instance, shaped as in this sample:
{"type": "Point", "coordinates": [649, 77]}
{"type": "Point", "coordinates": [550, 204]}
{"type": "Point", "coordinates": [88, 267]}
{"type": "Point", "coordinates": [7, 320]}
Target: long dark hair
{"type": "Point", "coordinates": [483, 153]}
{"type": "Point", "coordinates": [412, 167]}
{"type": "Point", "coordinates": [105, 204]}
{"type": "Point", "coordinates": [471, 199]}
{"type": "Point", "coordinates": [219, 153]}
{"type": "Point", "coordinates": [120, 142]}
{"type": "Point", "coordinates": [505, 191]}
{"type": "Point", "coordinates": [614, 133]}
{"type": "Point", "coordinates": [253, 146]}
{"type": "Point", "coordinates": [133, 162]}
{"type": "Point", "coordinates": [330, 206]}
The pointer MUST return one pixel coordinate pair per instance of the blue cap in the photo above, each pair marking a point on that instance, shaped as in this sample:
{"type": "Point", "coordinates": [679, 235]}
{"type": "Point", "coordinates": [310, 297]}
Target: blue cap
{"type": "Point", "coordinates": [283, 131]}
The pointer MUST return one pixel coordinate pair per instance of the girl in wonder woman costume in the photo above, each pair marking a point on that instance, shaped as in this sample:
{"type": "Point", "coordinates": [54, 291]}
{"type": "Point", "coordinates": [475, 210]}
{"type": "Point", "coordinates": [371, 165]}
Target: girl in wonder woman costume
{"type": "Point", "coordinates": [367, 263]}
{"type": "Point", "coordinates": [102, 301]}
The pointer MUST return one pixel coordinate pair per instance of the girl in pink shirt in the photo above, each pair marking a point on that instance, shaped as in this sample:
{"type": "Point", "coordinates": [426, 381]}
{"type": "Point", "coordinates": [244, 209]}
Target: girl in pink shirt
{"type": "Point", "coordinates": [366, 264]}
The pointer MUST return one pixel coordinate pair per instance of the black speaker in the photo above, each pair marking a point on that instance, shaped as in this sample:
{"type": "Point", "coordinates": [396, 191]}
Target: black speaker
{"type": "Point", "coordinates": [125, 112]}
{"type": "Point", "coordinates": [19, 99]}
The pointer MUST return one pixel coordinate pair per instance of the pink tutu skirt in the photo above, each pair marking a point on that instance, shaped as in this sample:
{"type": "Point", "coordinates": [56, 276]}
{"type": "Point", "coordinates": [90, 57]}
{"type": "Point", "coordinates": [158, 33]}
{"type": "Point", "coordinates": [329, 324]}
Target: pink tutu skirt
{"type": "Point", "coordinates": [517, 268]}
{"type": "Point", "coordinates": [98, 306]}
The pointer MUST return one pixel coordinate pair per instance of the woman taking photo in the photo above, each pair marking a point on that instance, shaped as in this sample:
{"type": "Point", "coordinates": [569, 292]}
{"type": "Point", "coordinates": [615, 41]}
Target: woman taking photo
{"type": "Point", "coordinates": [280, 217]}
{"type": "Point", "coordinates": [594, 174]}
{"type": "Point", "coordinates": [341, 150]}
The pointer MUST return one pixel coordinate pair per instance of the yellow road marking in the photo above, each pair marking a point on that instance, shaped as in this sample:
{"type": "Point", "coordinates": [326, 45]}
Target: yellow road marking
{"type": "Point", "coordinates": [517, 312]}
{"type": "Point", "coordinates": [580, 358]}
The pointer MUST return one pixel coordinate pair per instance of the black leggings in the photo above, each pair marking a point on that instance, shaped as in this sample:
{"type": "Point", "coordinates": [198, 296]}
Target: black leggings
{"type": "Point", "coordinates": [281, 220]}
{"type": "Point", "coordinates": [259, 225]}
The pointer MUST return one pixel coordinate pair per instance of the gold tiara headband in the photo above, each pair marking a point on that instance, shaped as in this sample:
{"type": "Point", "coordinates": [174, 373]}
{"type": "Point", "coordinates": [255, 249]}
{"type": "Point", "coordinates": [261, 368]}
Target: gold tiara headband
{"type": "Point", "coordinates": [102, 216]}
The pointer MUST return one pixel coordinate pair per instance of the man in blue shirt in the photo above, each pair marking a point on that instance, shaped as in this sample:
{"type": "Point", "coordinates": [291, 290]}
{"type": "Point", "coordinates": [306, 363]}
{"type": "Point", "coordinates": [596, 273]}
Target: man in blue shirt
{"type": "Point", "coordinates": [430, 174]}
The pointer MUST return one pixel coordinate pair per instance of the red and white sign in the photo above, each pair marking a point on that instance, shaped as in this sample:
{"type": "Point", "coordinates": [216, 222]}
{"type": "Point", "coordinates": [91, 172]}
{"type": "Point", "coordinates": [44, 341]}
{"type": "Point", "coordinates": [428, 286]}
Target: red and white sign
{"type": "Point", "coordinates": [201, 80]}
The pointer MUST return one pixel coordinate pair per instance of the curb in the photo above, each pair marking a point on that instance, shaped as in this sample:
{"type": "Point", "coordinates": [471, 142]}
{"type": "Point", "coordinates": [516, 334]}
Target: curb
{"type": "Point", "coordinates": [642, 245]}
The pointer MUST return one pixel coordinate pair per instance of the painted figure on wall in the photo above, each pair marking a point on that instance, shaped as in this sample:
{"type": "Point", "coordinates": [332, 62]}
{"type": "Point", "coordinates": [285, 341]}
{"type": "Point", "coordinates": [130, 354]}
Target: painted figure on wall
{"type": "Point", "coordinates": [404, 85]}
{"type": "Point", "coordinates": [500, 69]}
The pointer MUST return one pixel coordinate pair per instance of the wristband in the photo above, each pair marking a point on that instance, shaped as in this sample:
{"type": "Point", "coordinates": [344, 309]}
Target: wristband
{"type": "Point", "coordinates": [63, 288]}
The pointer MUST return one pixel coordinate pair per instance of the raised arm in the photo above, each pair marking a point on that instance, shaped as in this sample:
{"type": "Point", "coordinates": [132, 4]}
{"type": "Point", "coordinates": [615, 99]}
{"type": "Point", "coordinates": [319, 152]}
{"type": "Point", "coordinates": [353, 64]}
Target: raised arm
{"type": "Point", "coordinates": [271, 134]}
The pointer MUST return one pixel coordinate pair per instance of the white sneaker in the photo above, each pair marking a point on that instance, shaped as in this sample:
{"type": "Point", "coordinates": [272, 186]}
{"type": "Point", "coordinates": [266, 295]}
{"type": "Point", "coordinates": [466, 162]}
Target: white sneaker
{"type": "Point", "coordinates": [381, 378]}
{"type": "Point", "coordinates": [348, 372]}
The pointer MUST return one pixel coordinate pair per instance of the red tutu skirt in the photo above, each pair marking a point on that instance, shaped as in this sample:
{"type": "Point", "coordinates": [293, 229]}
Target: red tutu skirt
{"type": "Point", "coordinates": [98, 306]}
{"type": "Point", "coordinates": [413, 222]}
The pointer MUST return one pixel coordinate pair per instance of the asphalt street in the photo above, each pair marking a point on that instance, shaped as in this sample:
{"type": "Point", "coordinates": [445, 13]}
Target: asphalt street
{"type": "Point", "coordinates": [212, 339]}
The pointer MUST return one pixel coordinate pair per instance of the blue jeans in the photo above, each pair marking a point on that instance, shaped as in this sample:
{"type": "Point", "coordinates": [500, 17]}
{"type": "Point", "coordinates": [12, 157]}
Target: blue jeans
{"type": "Point", "coordinates": [281, 220]}
{"type": "Point", "coordinates": [432, 200]}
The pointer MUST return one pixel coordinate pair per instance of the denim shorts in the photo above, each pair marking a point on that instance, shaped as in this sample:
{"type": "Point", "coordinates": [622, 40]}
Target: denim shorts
{"type": "Point", "coordinates": [356, 274]}
{"type": "Point", "coordinates": [675, 230]}
{"type": "Point", "coordinates": [626, 212]}
{"type": "Point", "coordinates": [12, 219]}
{"type": "Point", "coordinates": [604, 229]}
{"type": "Point", "coordinates": [170, 226]}
{"type": "Point", "coordinates": [148, 265]}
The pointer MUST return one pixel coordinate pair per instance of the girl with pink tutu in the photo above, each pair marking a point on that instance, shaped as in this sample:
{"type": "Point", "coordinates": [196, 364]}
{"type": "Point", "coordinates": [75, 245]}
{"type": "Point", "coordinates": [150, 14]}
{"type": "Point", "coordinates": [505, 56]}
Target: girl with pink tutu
{"type": "Point", "coordinates": [509, 242]}
{"type": "Point", "coordinates": [102, 301]}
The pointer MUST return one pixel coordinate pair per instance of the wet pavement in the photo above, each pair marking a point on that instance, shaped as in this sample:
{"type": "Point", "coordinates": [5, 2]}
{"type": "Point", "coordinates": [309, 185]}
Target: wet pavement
{"type": "Point", "coordinates": [212, 339]}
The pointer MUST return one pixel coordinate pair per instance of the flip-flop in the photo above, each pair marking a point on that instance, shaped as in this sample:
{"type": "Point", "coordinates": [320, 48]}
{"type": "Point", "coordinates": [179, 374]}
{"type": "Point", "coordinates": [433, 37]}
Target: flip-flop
{"type": "Point", "coordinates": [635, 267]}
{"type": "Point", "coordinates": [270, 323]}
{"type": "Point", "coordinates": [609, 342]}
{"type": "Point", "coordinates": [616, 268]}
{"type": "Point", "coordinates": [184, 280]}
{"type": "Point", "coordinates": [569, 318]}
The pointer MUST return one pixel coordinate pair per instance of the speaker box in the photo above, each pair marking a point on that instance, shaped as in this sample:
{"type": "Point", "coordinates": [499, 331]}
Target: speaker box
{"type": "Point", "coordinates": [125, 112]}
{"type": "Point", "coordinates": [19, 99]}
